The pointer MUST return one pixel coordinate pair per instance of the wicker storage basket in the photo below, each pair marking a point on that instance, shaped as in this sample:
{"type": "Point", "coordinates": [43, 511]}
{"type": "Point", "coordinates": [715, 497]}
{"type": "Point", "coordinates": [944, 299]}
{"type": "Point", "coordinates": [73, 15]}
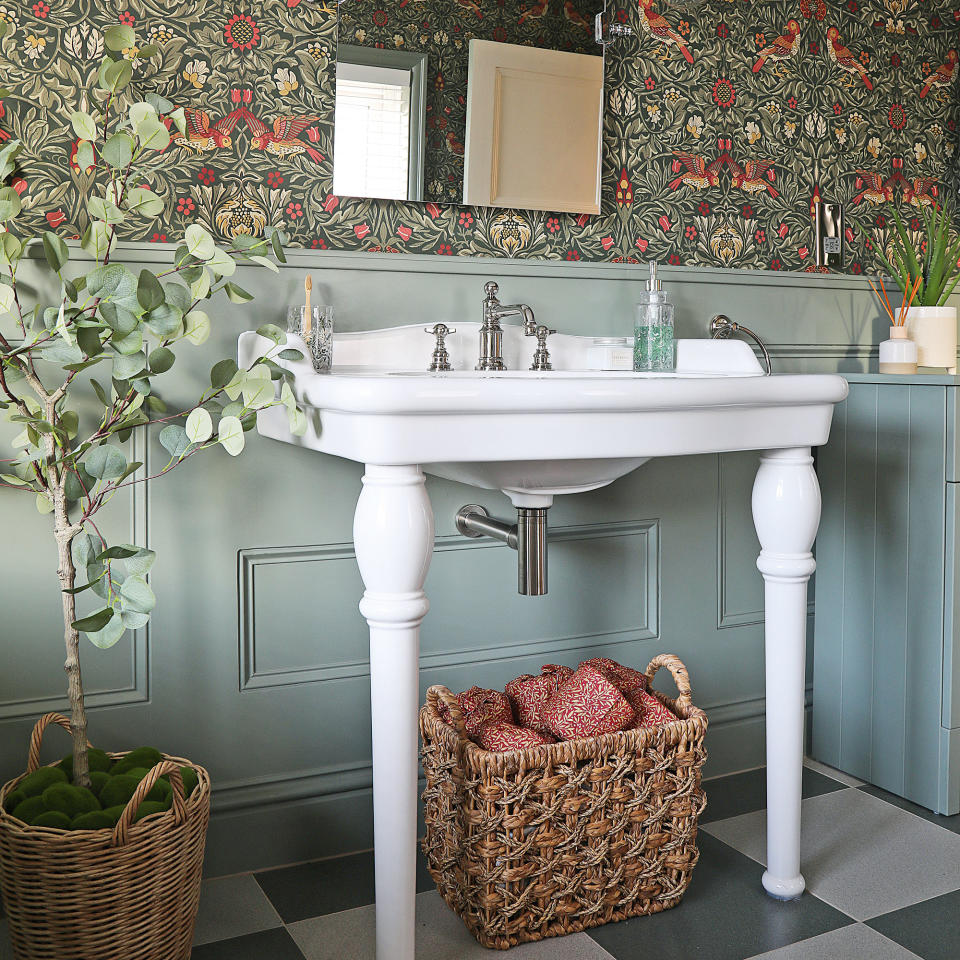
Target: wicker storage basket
{"type": "Point", "coordinates": [555, 839]}
{"type": "Point", "coordinates": [127, 894]}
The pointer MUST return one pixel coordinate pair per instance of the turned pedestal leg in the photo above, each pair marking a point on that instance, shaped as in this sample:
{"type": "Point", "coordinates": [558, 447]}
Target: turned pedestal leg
{"type": "Point", "coordinates": [786, 512]}
{"type": "Point", "coordinates": [393, 535]}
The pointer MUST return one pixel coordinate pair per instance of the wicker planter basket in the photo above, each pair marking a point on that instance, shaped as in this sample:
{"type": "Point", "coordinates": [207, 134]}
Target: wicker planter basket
{"type": "Point", "coordinates": [127, 894]}
{"type": "Point", "coordinates": [555, 839]}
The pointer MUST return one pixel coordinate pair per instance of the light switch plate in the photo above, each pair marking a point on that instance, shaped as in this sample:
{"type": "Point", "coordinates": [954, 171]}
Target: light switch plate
{"type": "Point", "coordinates": [828, 234]}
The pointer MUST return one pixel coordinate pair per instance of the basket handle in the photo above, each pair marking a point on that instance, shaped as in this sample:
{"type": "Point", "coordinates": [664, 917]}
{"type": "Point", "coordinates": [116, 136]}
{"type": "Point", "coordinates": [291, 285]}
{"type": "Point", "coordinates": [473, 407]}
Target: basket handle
{"type": "Point", "coordinates": [36, 737]}
{"type": "Point", "coordinates": [121, 830]}
{"type": "Point", "coordinates": [680, 676]}
{"type": "Point", "coordinates": [438, 692]}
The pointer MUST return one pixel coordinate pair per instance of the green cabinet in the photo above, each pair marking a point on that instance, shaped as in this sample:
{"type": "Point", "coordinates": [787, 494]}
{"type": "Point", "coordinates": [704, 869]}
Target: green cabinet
{"type": "Point", "coordinates": [886, 678]}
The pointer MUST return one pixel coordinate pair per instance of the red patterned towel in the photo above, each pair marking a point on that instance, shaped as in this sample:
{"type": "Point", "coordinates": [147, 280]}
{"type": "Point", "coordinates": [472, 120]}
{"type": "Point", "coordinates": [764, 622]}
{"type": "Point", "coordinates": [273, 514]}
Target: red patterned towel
{"type": "Point", "coordinates": [529, 694]}
{"type": "Point", "coordinates": [501, 736]}
{"type": "Point", "coordinates": [625, 679]}
{"type": "Point", "coordinates": [479, 706]}
{"type": "Point", "coordinates": [649, 710]}
{"type": "Point", "coordinates": [587, 705]}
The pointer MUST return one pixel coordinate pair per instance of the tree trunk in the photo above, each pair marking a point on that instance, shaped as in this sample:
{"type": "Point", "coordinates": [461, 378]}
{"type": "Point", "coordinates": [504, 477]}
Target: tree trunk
{"type": "Point", "coordinates": [67, 573]}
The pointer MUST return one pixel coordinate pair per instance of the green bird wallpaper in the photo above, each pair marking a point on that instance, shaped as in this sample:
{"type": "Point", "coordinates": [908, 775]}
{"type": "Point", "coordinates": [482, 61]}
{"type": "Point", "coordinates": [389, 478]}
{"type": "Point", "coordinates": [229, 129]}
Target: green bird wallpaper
{"type": "Point", "coordinates": [725, 120]}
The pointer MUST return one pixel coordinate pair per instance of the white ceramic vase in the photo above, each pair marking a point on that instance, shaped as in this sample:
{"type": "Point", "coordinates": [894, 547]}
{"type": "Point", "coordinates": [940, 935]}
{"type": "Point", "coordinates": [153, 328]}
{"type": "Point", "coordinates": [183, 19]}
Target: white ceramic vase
{"type": "Point", "coordinates": [934, 331]}
{"type": "Point", "coordinates": [898, 354]}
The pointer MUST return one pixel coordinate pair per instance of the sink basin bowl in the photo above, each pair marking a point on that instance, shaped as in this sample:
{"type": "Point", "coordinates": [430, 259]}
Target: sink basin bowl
{"type": "Point", "coordinates": [537, 435]}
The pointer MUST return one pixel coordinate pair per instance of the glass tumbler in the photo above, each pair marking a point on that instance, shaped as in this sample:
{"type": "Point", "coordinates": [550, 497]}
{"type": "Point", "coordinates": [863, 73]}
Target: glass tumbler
{"type": "Point", "coordinates": [320, 337]}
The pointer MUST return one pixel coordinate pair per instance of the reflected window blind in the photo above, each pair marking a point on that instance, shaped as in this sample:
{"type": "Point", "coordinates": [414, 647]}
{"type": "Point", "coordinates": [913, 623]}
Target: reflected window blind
{"type": "Point", "coordinates": [371, 152]}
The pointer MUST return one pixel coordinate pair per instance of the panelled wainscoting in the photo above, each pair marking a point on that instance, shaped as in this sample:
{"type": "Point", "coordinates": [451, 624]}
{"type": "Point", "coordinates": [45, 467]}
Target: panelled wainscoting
{"type": "Point", "coordinates": [256, 660]}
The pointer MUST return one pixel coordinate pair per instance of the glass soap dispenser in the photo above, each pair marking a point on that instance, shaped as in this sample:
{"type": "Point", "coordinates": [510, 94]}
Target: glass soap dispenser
{"type": "Point", "coordinates": [653, 329]}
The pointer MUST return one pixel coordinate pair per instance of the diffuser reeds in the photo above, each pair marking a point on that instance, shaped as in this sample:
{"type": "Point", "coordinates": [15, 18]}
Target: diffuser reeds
{"type": "Point", "coordinates": [900, 318]}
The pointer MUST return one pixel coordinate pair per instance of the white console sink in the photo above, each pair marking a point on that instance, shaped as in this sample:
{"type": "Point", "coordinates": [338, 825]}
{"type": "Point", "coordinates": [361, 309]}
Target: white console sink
{"type": "Point", "coordinates": [534, 436]}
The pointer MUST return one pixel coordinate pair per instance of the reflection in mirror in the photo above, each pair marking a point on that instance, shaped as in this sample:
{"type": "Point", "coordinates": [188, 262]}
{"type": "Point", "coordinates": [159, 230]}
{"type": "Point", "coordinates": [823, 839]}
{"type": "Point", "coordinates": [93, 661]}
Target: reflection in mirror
{"type": "Point", "coordinates": [509, 90]}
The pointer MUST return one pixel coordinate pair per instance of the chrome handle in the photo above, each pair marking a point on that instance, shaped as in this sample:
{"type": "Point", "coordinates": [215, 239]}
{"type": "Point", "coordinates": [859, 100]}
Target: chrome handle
{"type": "Point", "coordinates": [721, 327]}
{"type": "Point", "coordinates": [440, 362]}
{"type": "Point", "coordinates": [541, 356]}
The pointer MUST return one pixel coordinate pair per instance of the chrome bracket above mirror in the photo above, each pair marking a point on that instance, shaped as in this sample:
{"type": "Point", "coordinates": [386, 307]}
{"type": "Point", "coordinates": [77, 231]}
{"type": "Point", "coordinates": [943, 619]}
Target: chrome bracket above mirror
{"type": "Point", "coordinates": [607, 31]}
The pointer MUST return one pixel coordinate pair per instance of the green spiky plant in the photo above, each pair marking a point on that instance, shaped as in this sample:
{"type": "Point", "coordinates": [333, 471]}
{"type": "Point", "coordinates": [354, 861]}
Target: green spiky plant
{"type": "Point", "coordinates": [108, 341]}
{"type": "Point", "coordinates": [935, 262]}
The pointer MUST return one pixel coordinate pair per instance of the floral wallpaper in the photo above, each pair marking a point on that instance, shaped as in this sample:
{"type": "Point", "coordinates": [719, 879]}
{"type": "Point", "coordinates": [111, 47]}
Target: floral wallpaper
{"type": "Point", "coordinates": [725, 119]}
{"type": "Point", "coordinates": [445, 37]}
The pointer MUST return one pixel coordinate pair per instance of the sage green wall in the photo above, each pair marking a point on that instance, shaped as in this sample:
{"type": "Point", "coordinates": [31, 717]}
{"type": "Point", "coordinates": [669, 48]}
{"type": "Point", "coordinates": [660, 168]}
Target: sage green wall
{"type": "Point", "coordinates": [255, 661]}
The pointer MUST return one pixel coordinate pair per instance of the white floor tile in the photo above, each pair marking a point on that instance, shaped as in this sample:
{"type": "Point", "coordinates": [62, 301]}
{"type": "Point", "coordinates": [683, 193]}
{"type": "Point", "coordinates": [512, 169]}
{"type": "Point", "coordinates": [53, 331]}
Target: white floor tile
{"type": "Point", "coordinates": [855, 942]}
{"type": "Point", "coordinates": [441, 935]}
{"type": "Point", "coordinates": [859, 854]}
{"type": "Point", "coordinates": [231, 907]}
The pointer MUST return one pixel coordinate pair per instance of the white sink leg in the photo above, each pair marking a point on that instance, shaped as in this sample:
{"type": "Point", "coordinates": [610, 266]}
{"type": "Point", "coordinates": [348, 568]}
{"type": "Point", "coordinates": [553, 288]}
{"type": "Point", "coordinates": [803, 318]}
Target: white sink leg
{"type": "Point", "coordinates": [786, 512]}
{"type": "Point", "coordinates": [393, 536]}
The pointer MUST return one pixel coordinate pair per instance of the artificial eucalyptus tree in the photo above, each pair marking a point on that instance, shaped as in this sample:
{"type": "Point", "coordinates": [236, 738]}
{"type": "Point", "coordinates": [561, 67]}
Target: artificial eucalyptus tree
{"type": "Point", "coordinates": [109, 339]}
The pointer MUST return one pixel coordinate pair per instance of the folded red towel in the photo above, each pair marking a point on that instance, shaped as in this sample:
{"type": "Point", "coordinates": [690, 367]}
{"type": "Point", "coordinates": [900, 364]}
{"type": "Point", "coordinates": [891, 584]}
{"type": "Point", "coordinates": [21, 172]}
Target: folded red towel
{"type": "Point", "coordinates": [649, 710]}
{"type": "Point", "coordinates": [501, 736]}
{"type": "Point", "coordinates": [529, 694]}
{"type": "Point", "coordinates": [623, 678]}
{"type": "Point", "coordinates": [479, 706]}
{"type": "Point", "coordinates": [586, 705]}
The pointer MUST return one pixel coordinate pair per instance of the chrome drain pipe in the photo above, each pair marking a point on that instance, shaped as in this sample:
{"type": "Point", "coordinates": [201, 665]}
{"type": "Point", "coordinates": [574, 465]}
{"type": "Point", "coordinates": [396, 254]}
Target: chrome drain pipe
{"type": "Point", "coordinates": [528, 536]}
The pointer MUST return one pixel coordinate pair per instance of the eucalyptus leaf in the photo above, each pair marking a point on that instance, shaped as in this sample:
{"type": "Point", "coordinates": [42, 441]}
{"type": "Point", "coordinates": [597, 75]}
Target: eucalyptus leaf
{"type": "Point", "coordinates": [117, 553]}
{"type": "Point", "coordinates": [105, 462]}
{"type": "Point", "coordinates": [104, 210]}
{"type": "Point", "coordinates": [118, 150]}
{"type": "Point", "coordinates": [230, 435]}
{"type": "Point", "coordinates": [107, 637]}
{"type": "Point", "coordinates": [55, 250]}
{"type": "Point", "coordinates": [160, 104]}
{"type": "Point", "coordinates": [161, 359]}
{"type": "Point", "coordinates": [133, 620]}
{"type": "Point", "coordinates": [199, 242]}
{"type": "Point", "coordinates": [44, 503]}
{"type": "Point", "coordinates": [199, 425]}
{"type": "Point", "coordinates": [85, 155]}
{"type": "Point", "coordinates": [141, 561]}
{"type": "Point", "coordinates": [223, 372]}
{"type": "Point", "coordinates": [119, 37]}
{"type": "Point", "coordinates": [165, 320]}
{"type": "Point", "coordinates": [95, 621]}
{"type": "Point", "coordinates": [196, 327]}
{"type": "Point", "coordinates": [97, 240]}
{"type": "Point", "coordinates": [83, 549]}
{"type": "Point", "coordinates": [143, 201]}
{"type": "Point", "coordinates": [9, 203]}
{"type": "Point", "coordinates": [114, 75]}
{"type": "Point", "coordinates": [174, 440]}
{"type": "Point", "coordinates": [236, 294]}
{"type": "Point", "coordinates": [149, 291]}
{"type": "Point", "coordinates": [83, 125]}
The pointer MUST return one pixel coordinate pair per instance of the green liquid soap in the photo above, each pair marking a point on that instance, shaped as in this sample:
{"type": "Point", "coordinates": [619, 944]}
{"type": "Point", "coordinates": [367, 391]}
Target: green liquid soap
{"type": "Point", "coordinates": [653, 350]}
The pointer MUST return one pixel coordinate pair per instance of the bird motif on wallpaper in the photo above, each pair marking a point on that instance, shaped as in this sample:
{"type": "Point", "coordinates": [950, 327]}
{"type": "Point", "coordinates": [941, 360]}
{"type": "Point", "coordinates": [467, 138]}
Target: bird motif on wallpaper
{"type": "Point", "coordinates": [201, 135]}
{"type": "Point", "coordinates": [284, 139]}
{"type": "Point", "coordinates": [943, 75]}
{"type": "Point", "coordinates": [535, 11]}
{"type": "Point", "coordinates": [656, 25]}
{"type": "Point", "coordinates": [875, 190]}
{"type": "Point", "coordinates": [472, 6]}
{"type": "Point", "coordinates": [783, 48]}
{"type": "Point", "coordinates": [921, 192]}
{"type": "Point", "coordinates": [754, 176]}
{"type": "Point", "coordinates": [844, 59]}
{"type": "Point", "coordinates": [699, 174]}
{"type": "Point", "coordinates": [575, 17]}
{"type": "Point", "coordinates": [453, 144]}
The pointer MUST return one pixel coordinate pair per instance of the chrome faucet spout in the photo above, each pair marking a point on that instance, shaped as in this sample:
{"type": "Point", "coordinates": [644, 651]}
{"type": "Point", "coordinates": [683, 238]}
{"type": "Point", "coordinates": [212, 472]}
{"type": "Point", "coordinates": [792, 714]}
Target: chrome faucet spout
{"type": "Point", "coordinates": [491, 333]}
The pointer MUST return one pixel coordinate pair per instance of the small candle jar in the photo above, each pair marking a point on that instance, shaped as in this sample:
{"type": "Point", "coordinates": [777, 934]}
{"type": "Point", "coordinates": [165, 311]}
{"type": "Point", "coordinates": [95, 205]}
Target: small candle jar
{"type": "Point", "coordinates": [898, 354]}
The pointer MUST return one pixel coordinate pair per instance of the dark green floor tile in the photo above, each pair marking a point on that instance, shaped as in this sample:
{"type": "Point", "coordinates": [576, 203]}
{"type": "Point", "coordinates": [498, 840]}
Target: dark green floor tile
{"type": "Point", "coordinates": [948, 823]}
{"type": "Point", "coordinates": [930, 929]}
{"type": "Point", "coordinates": [746, 792]}
{"type": "Point", "coordinates": [267, 945]}
{"type": "Point", "coordinates": [326, 886]}
{"type": "Point", "coordinates": [725, 915]}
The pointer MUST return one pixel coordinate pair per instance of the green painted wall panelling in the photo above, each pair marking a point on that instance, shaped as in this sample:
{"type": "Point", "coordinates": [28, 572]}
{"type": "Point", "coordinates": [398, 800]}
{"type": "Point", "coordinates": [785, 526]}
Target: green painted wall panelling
{"type": "Point", "coordinates": [845, 116]}
{"type": "Point", "coordinates": [885, 664]}
{"type": "Point", "coordinates": [274, 696]}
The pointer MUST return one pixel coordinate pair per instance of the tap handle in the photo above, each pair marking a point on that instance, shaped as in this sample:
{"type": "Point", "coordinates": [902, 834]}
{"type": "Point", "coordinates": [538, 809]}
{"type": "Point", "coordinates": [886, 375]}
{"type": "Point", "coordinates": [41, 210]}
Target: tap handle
{"type": "Point", "coordinates": [441, 358]}
{"type": "Point", "coordinates": [541, 356]}
{"type": "Point", "coordinates": [491, 288]}
{"type": "Point", "coordinates": [439, 330]}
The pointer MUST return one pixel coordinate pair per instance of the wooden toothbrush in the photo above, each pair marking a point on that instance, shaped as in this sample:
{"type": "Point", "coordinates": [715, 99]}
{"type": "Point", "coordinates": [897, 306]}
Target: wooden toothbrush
{"type": "Point", "coordinates": [307, 312]}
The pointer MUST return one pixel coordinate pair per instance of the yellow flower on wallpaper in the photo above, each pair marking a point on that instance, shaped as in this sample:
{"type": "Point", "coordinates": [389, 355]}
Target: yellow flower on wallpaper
{"type": "Point", "coordinates": [196, 73]}
{"type": "Point", "coordinates": [34, 45]}
{"type": "Point", "coordinates": [920, 151]}
{"type": "Point", "coordinates": [873, 147]}
{"type": "Point", "coordinates": [695, 126]}
{"type": "Point", "coordinates": [752, 130]}
{"type": "Point", "coordinates": [286, 81]}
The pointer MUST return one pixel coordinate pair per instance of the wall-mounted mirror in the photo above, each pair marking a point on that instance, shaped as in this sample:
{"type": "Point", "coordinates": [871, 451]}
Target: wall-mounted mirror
{"type": "Point", "coordinates": [485, 102]}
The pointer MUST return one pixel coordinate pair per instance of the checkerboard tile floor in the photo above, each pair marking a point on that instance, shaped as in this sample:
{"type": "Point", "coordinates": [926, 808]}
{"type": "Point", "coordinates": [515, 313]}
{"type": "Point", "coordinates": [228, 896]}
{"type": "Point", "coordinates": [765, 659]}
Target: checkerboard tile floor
{"type": "Point", "coordinates": [883, 883]}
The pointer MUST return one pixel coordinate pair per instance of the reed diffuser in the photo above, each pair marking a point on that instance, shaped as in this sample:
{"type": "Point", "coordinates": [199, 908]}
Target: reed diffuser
{"type": "Point", "coordinates": [899, 353]}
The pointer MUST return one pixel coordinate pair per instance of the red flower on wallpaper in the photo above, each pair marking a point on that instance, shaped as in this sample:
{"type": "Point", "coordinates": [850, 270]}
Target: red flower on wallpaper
{"type": "Point", "coordinates": [665, 225]}
{"type": "Point", "coordinates": [380, 17]}
{"type": "Point", "coordinates": [775, 264]}
{"type": "Point", "coordinates": [573, 255]}
{"type": "Point", "coordinates": [185, 206]}
{"type": "Point", "coordinates": [690, 232]}
{"type": "Point", "coordinates": [897, 116]}
{"type": "Point", "coordinates": [723, 93]}
{"type": "Point", "coordinates": [361, 230]}
{"type": "Point", "coordinates": [673, 260]}
{"type": "Point", "coordinates": [19, 185]}
{"type": "Point", "coordinates": [803, 252]}
{"type": "Point", "coordinates": [606, 242]}
{"type": "Point", "coordinates": [405, 232]}
{"type": "Point", "coordinates": [318, 243]}
{"type": "Point", "coordinates": [895, 60]}
{"type": "Point", "coordinates": [433, 210]}
{"type": "Point", "coordinates": [760, 236]}
{"type": "Point", "coordinates": [158, 238]}
{"type": "Point", "coordinates": [782, 231]}
{"type": "Point", "coordinates": [704, 208]}
{"type": "Point", "coordinates": [331, 203]}
{"type": "Point", "coordinates": [466, 218]}
{"type": "Point", "coordinates": [624, 189]}
{"type": "Point", "coordinates": [552, 224]}
{"type": "Point", "coordinates": [206, 176]}
{"type": "Point", "coordinates": [241, 32]}
{"type": "Point", "coordinates": [641, 244]}
{"type": "Point", "coordinates": [294, 210]}
{"type": "Point", "coordinates": [650, 83]}
{"type": "Point", "coordinates": [55, 218]}
{"type": "Point", "coordinates": [274, 179]}
{"type": "Point", "coordinates": [723, 31]}
{"type": "Point", "coordinates": [41, 10]}
{"type": "Point", "coordinates": [747, 211]}
{"type": "Point", "coordinates": [445, 250]}
{"type": "Point", "coordinates": [126, 17]}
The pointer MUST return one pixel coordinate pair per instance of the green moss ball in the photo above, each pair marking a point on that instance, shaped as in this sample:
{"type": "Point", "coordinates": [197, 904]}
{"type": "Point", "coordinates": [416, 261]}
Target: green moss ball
{"type": "Point", "coordinates": [35, 783]}
{"type": "Point", "coordinates": [97, 761]}
{"type": "Point", "coordinates": [141, 757]}
{"type": "Point", "coordinates": [148, 807]}
{"type": "Point", "coordinates": [52, 818]}
{"type": "Point", "coordinates": [69, 799]}
{"type": "Point", "coordinates": [29, 808]}
{"type": "Point", "coordinates": [114, 813]}
{"type": "Point", "coordinates": [98, 780]}
{"type": "Point", "coordinates": [14, 799]}
{"type": "Point", "coordinates": [118, 790]}
{"type": "Point", "coordinates": [92, 820]}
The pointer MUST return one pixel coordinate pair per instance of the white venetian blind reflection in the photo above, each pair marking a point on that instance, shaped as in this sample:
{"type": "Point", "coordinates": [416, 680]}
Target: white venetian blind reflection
{"type": "Point", "coordinates": [372, 133]}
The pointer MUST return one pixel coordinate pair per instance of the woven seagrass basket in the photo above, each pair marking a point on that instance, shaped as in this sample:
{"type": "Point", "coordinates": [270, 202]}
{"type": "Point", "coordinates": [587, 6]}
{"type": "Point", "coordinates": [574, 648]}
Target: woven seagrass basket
{"type": "Point", "coordinates": [550, 840]}
{"type": "Point", "coordinates": [130, 893]}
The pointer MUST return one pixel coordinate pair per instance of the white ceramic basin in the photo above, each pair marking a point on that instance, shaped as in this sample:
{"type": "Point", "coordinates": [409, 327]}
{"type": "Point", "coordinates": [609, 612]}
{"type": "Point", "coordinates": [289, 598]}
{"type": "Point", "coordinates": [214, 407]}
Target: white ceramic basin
{"type": "Point", "coordinates": [537, 435]}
